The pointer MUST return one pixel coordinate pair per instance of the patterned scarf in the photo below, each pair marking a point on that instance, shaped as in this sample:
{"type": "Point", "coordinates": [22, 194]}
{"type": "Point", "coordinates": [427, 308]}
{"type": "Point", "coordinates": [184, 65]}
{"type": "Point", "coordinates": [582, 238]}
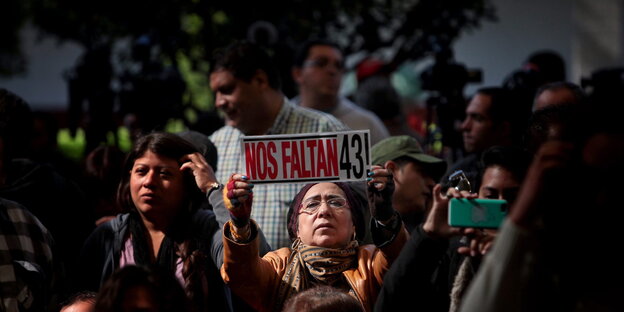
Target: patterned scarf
{"type": "Point", "coordinates": [324, 265]}
{"type": "Point", "coordinates": [464, 276]}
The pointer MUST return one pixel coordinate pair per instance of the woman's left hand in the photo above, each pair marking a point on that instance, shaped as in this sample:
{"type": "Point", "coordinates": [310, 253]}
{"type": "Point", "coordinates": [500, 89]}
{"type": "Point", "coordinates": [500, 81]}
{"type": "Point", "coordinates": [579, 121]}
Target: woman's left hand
{"type": "Point", "coordinates": [202, 171]}
{"type": "Point", "coordinates": [380, 189]}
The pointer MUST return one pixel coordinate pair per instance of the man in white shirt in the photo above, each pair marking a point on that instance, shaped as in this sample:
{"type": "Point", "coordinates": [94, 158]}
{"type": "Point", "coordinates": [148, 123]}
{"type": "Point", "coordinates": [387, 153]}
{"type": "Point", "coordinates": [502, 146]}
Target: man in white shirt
{"type": "Point", "coordinates": [318, 68]}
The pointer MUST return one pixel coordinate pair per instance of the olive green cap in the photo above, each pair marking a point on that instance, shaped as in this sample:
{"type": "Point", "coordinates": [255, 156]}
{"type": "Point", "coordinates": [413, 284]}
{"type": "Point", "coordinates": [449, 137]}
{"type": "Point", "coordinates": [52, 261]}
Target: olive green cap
{"type": "Point", "coordinates": [395, 147]}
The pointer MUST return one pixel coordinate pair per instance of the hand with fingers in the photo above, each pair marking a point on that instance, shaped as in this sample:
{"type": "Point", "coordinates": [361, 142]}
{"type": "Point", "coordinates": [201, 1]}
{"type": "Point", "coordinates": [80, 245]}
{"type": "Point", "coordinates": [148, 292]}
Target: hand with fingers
{"type": "Point", "coordinates": [477, 241]}
{"type": "Point", "coordinates": [238, 196]}
{"type": "Point", "coordinates": [552, 158]}
{"type": "Point", "coordinates": [480, 241]}
{"type": "Point", "coordinates": [436, 225]}
{"type": "Point", "coordinates": [380, 189]}
{"type": "Point", "coordinates": [202, 171]}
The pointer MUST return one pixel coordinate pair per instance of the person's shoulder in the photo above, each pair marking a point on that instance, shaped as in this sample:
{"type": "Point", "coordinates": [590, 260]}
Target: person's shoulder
{"type": "Point", "coordinates": [204, 223]}
{"type": "Point", "coordinates": [359, 115]}
{"type": "Point", "coordinates": [224, 133]}
{"type": "Point", "coordinates": [325, 121]}
{"type": "Point", "coordinates": [204, 218]}
{"type": "Point", "coordinates": [361, 111]}
{"type": "Point", "coordinates": [108, 229]}
{"type": "Point", "coordinates": [16, 214]}
{"type": "Point", "coordinates": [14, 211]}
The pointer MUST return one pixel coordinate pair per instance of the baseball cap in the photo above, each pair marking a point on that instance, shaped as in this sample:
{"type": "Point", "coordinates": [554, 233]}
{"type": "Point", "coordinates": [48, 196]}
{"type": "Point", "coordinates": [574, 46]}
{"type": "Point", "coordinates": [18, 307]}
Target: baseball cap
{"type": "Point", "coordinates": [406, 146]}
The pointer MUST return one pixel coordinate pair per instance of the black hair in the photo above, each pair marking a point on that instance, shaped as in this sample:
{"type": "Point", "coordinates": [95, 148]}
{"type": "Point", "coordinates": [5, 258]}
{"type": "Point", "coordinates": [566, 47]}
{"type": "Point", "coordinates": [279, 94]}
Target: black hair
{"type": "Point", "coordinates": [303, 50]}
{"type": "Point", "coordinates": [165, 291]}
{"type": "Point", "coordinates": [322, 298]}
{"type": "Point", "coordinates": [512, 158]}
{"type": "Point", "coordinates": [501, 105]}
{"type": "Point", "coordinates": [243, 59]}
{"type": "Point", "coordinates": [579, 96]}
{"type": "Point", "coordinates": [505, 107]}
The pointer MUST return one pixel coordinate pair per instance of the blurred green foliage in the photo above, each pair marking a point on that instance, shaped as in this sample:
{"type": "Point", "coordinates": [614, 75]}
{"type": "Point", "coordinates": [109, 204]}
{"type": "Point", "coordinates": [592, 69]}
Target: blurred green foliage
{"type": "Point", "coordinates": [183, 33]}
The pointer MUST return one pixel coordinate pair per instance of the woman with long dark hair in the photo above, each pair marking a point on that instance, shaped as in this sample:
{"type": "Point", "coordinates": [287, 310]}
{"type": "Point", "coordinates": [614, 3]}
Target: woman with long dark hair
{"type": "Point", "coordinates": [164, 181]}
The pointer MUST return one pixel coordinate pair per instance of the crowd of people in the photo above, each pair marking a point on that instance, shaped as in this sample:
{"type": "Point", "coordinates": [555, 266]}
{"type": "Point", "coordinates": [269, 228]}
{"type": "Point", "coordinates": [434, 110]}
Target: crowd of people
{"type": "Point", "coordinates": [175, 224]}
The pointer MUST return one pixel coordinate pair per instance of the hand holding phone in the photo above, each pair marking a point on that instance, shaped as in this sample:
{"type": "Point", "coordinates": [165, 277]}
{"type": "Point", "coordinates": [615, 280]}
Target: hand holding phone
{"type": "Point", "coordinates": [477, 213]}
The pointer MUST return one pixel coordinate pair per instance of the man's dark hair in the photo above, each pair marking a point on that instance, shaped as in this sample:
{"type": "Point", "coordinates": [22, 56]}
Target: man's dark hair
{"type": "Point", "coordinates": [244, 59]}
{"type": "Point", "coordinates": [504, 107]}
{"type": "Point", "coordinates": [160, 284]}
{"type": "Point", "coordinates": [303, 50]}
{"type": "Point", "coordinates": [577, 92]}
{"type": "Point", "coordinates": [512, 158]}
{"type": "Point", "coordinates": [501, 108]}
{"type": "Point", "coordinates": [322, 298]}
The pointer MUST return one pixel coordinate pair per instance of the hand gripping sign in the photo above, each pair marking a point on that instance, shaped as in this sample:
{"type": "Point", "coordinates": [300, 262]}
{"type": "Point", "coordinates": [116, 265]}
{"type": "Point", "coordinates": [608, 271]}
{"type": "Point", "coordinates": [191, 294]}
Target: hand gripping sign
{"type": "Point", "coordinates": [308, 157]}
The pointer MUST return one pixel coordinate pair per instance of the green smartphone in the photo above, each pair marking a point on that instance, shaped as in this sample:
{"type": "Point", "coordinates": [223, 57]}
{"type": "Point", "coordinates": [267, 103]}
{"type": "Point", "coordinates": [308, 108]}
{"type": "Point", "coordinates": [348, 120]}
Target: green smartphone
{"type": "Point", "coordinates": [477, 213]}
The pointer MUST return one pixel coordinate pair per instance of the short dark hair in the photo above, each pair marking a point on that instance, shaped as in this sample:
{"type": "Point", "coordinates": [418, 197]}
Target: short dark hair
{"type": "Point", "coordinates": [322, 298]}
{"type": "Point", "coordinates": [167, 292]}
{"type": "Point", "coordinates": [243, 59]}
{"type": "Point", "coordinates": [512, 158]}
{"type": "Point", "coordinates": [505, 107]}
{"type": "Point", "coordinates": [435, 172]}
{"type": "Point", "coordinates": [303, 50]}
{"type": "Point", "coordinates": [501, 106]}
{"type": "Point", "coordinates": [577, 92]}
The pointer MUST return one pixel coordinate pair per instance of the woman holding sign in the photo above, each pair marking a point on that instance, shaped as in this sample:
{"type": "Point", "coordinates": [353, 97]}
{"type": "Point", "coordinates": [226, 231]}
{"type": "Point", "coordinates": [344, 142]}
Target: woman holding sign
{"type": "Point", "coordinates": [324, 224]}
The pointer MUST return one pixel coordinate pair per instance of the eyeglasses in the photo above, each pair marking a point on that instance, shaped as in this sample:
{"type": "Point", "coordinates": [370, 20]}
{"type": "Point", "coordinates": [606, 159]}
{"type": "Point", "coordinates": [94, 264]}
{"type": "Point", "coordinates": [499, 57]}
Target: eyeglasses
{"type": "Point", "coordinates": [323, 62]}
{"type": "Point", "coordinates": [311, 206]}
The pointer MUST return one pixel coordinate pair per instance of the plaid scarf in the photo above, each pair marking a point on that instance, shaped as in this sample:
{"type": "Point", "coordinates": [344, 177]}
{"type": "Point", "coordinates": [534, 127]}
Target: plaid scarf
{"type": "Point", "coordinates": [325, 265]}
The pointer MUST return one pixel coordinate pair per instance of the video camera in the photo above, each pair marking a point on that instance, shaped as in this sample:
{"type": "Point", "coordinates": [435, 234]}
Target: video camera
{"type": "Point", "coordinates": [606, 81]}
{"type": "Point", "coordinates": [447, 76]}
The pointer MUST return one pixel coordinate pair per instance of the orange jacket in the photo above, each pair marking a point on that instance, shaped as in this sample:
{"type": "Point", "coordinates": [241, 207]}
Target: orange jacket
{"type": "Point", "coordinates": [257, 280]}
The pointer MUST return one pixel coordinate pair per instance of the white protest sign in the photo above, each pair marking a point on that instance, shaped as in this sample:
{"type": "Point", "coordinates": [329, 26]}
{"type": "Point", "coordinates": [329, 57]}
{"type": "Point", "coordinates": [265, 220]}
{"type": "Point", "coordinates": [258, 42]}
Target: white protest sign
{"type": "Point", "coordinates": [308, 157]}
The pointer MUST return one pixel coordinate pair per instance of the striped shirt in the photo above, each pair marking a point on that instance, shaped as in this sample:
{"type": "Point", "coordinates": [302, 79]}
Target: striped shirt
{"type": "Point", "coordinates": [271, 201]}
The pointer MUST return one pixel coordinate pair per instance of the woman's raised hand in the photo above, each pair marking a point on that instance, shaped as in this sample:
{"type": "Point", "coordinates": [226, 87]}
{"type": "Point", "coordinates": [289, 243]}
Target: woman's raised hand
{"type": "Point", "coordinates": [202, 171]}
{"type": "Point", "coordinates": [238, 196]}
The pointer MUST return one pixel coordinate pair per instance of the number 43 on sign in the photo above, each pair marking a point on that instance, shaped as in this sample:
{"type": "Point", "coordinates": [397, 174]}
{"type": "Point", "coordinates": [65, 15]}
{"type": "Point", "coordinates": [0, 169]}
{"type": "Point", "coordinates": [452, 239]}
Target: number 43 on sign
{"type": "Point", "coordinates": [307, 157]}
